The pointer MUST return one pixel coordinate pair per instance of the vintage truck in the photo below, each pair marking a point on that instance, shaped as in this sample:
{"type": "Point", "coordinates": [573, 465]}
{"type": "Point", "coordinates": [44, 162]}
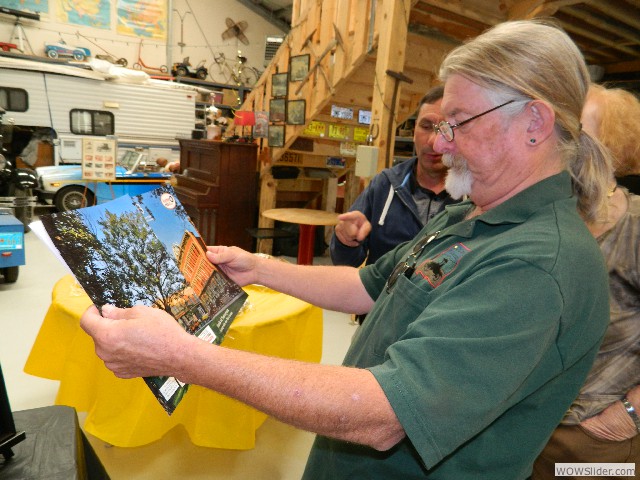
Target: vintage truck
{"type": "Point", "coordinates": [64, 187]}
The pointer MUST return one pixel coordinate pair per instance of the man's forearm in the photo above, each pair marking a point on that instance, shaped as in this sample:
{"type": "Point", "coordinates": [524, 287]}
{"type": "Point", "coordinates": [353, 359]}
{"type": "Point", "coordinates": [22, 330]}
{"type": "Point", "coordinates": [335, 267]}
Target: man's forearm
{"type": "Point", "coordinates": [340, 402]}
{"type": "Point", "coordinates": [331, 287]}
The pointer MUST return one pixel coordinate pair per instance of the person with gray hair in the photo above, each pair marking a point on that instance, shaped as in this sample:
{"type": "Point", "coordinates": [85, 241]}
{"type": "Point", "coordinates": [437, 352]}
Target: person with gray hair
{"type": "Point", "coordinates": [479, 332]}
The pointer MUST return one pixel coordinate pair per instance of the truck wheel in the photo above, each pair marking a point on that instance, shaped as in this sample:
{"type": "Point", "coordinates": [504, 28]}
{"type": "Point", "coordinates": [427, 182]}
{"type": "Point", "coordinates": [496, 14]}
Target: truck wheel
{"type": "Point", "coordinates": [71, 198]}
{"type": "Point", "coordinates": [10, 274]}
{"type": "Point", "coordinates": [202, 74]}
{"type": "Point", "coordinates": [52, 54]}
{"type": "Point", "coordinates": [78, 56]}
{"type": "Point", "coordinates": [122, 61]}
{"type": "Point", "coordinates": [181, 72]}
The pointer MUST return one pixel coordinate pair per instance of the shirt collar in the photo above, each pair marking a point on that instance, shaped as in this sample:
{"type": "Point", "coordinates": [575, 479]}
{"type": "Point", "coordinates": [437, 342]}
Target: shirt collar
{"type": "Point", "coordinates": [515, 210]}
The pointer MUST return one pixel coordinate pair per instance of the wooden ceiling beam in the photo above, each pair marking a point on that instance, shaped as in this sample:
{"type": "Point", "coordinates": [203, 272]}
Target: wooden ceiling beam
{"type": "Point", "coordinates": [612, 9]}
{"type": "Point", "coordinates": [529, 9]}
{"type": "Point", "coordinates": [572, 28]}
{"type": "Point", "coordinates": [448, 27]}
{"type": "Point", "coordinates": [434, 12]}
{"type": "Point", "coordinates": [630, 34]}
{"type": "Point", "coordinates": [486, 12]}
{"type": "Point", "coordinates": [622, 67]}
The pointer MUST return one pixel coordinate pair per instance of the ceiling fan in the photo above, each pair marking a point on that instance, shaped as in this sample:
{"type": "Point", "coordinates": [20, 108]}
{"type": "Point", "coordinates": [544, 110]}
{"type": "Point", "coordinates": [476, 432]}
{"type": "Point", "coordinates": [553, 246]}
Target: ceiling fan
{"type": "Point", "coordinates": [236, 30]}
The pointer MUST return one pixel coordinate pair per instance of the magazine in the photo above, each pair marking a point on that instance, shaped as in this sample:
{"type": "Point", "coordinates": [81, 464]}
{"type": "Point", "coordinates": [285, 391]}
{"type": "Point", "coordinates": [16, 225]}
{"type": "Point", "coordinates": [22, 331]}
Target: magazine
{"type": "Point", "coordinates": [144, 250]}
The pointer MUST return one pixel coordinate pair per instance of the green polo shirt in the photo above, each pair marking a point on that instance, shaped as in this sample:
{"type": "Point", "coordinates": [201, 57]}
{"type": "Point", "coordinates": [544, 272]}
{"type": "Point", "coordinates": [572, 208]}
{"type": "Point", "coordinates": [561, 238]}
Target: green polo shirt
{"type": "Point", "coordinates": [483, 348]}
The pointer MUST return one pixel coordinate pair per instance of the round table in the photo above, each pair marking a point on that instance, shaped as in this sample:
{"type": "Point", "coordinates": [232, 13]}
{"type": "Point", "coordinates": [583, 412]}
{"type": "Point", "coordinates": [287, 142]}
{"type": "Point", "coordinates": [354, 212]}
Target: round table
{"type": "Point", "coordinates": [125, 413]}
{"type": "Point", "coordinates": [308, 219]}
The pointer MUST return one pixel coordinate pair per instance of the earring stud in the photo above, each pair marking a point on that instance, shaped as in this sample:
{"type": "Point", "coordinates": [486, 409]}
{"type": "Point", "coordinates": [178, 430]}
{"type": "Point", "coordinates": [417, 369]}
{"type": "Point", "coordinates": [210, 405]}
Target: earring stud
{"type": "Point", "coordinates": [533, 140]}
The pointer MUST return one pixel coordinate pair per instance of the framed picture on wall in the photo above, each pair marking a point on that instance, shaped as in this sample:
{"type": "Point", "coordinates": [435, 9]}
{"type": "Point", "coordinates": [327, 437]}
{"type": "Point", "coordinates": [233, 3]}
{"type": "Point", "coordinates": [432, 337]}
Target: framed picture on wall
{"type": "Point", "coordinates": [279, 83]}
{"type": "Point", "coordinates": [276, 136]}
{"type": "Point", "coordinates": [298, 67]}
{"type": "Point", "coordinates": [296, 112]}
{"type": "Point", "coordinates": [277, 111]}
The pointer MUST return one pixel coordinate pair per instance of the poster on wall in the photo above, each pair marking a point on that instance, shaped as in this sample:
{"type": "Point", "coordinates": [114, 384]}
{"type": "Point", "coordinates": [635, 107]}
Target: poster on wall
{"type": "Point", "coordinates": [98, 159]}
{"type": "Point", "coordinates": [87, 13]}
{"type": "Point", "coordinates": [142, 18]}
{"type": "Point", "coordinates": [261, 128]}
{"type": "Point", "coordinates": [33, 6]}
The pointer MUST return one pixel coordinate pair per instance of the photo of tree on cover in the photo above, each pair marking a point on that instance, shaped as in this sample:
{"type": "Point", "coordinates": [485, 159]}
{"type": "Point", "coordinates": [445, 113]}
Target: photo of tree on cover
{"type": "Point", "coordinates": [115, 255]}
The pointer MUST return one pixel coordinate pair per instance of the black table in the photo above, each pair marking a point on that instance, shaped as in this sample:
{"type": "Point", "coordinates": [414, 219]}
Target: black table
{"type": "Point", "coordinates": [54, 448]}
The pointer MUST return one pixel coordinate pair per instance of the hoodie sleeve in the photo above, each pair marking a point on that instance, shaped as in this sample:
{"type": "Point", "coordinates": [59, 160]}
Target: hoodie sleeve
{"type": "Point", "coordinates": [342, 254]}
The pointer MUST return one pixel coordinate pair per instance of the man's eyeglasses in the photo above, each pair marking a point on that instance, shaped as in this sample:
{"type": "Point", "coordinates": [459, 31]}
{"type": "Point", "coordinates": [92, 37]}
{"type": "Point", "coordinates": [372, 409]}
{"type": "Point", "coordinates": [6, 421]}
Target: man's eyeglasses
{"type": "Point", "coordinates": [446, 129]}
{"type": "Point", "coordinates": [408, 266]}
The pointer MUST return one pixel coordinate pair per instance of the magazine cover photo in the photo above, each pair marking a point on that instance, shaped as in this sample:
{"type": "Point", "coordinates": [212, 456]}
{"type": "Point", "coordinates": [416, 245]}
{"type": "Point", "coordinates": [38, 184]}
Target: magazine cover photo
{"type": "Point", "coordinates": [145, 250]}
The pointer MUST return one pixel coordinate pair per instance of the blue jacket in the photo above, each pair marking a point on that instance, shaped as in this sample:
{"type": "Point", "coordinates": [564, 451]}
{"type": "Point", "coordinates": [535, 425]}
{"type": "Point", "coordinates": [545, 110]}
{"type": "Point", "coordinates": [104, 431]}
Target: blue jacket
{"type": "Point", "coordinates": [389, 206]}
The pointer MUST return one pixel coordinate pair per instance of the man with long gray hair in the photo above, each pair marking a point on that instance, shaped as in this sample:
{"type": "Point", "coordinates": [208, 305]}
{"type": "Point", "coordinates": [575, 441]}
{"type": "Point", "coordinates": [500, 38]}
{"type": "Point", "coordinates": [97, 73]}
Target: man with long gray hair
{"type": "Point", "coordinates": [479, 332]}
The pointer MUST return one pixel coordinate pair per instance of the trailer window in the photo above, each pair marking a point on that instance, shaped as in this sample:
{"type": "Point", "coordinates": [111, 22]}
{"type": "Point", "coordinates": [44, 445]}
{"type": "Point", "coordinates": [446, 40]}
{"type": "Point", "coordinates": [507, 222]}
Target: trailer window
{"type": "Point", "coordinates": [92, 122]}
{"type": "Point", "coordinates": [14, 99]}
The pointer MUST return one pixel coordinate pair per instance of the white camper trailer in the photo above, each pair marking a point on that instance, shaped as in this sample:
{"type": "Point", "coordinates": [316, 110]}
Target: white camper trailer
{"type": "Point", "coordinates": [65, 104]}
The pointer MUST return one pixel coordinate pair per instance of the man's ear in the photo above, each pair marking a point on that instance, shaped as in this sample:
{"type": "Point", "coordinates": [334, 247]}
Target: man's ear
{"type": "Point", "coordinates": [541, 121]}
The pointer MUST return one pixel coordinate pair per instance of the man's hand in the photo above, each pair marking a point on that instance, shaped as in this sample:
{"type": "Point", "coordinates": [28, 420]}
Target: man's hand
{"type": "Point", "coordinates": [136, 342]}
{"type": "Point", "coordinates": [613, 423]}
{"type": "Point", "coordinates": [238, 264]}
{"type": "Point", "coordinates": [352, 228]}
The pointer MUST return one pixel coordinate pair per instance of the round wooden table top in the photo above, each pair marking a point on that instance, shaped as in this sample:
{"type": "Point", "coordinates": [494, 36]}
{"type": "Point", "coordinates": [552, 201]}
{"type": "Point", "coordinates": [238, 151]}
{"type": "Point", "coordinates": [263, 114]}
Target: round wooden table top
{"type": "Point", "coordinates": [302, 216]}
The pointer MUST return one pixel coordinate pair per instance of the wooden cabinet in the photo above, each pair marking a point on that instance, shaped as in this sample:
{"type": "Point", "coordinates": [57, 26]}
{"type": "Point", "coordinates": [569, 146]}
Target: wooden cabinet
{"type": "Point", "coordinates": [217, 185]}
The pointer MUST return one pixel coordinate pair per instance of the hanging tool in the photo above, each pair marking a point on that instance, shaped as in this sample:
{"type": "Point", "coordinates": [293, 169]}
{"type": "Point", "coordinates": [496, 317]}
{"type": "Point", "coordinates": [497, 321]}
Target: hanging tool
{"type": "Point", "coordinates": [398, 77]}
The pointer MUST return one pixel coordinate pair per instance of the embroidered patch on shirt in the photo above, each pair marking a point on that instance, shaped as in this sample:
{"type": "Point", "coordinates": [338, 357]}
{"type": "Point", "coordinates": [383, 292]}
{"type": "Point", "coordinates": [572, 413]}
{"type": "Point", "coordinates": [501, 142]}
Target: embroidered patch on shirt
{"type": "Point", "coordinates": [435, 270]}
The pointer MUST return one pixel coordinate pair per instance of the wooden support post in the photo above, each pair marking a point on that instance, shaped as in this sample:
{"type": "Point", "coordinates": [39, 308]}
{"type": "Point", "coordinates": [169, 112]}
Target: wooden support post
{"type": "Point", "coordinates": [267, 202]}
{"type": "Point", "coordinates": [329, 199]}
{"type": "Point", "coordinates": [351, 189]}
{"type": "Point", "coordinates": [392, 20]}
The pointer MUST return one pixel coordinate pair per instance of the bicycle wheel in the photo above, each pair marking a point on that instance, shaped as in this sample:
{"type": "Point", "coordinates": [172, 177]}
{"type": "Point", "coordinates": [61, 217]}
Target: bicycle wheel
{"type": "Point", "coordinates": [218, 75]}
{"type": "Point", "coordinates": [248, 77]}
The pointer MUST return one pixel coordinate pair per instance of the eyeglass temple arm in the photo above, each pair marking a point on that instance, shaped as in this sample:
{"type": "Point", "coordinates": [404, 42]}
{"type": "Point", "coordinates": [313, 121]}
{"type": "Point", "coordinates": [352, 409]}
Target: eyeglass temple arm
{"type": "Point", "coordinates": [481, 114]}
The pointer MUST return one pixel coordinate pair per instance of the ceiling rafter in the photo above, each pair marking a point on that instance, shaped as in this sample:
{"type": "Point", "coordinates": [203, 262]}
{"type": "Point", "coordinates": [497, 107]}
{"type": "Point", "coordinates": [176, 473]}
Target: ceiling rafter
{"type": "Point", "coordinates": [272, 16]}
{"type": "Point", "coordinates": [617, 29]}
{"type": "Point", "coordinates": [606, 31]}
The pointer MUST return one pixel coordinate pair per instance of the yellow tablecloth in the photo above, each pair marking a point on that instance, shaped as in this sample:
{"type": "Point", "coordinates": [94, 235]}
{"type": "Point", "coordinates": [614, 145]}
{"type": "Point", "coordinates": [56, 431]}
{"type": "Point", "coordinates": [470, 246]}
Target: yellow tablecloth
{"type": "Point", "coordinates": [125, 413]}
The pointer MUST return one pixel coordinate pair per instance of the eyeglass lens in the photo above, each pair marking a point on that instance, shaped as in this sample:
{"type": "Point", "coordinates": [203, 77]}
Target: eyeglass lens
{"type": "Point", "coordinates": [446, 129]}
